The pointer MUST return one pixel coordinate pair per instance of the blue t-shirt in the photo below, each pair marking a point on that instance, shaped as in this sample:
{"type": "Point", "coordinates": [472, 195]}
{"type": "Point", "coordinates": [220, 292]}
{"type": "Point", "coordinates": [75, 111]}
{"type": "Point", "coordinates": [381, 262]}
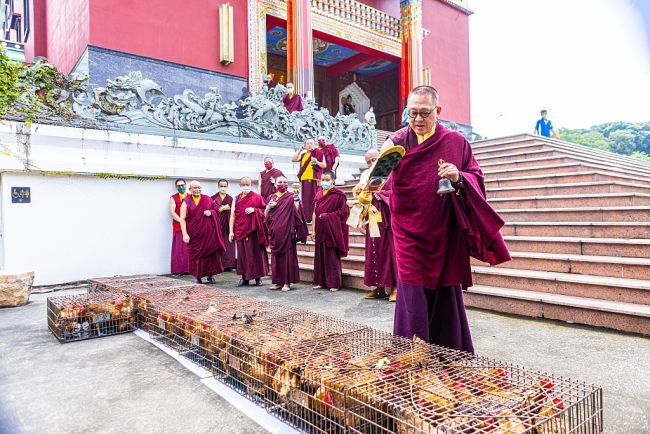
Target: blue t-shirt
{"type": "Point", "coordinates": [544, 127]}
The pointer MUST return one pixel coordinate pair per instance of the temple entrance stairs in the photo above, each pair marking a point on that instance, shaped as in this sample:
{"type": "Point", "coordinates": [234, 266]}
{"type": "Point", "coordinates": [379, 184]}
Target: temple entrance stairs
{"type": "Point", "coordinates": [578, 228]}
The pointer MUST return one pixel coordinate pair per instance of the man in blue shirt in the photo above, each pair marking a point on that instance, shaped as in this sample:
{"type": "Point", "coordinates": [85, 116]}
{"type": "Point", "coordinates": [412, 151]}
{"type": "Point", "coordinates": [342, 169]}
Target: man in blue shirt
{"type": "Point", "coordinates": [544, 127]}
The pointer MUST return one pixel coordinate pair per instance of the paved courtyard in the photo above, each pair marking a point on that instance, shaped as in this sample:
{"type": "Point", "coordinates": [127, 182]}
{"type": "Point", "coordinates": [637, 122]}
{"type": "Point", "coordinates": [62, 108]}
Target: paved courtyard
{"type": "Point", "coordinates": [122, 383]}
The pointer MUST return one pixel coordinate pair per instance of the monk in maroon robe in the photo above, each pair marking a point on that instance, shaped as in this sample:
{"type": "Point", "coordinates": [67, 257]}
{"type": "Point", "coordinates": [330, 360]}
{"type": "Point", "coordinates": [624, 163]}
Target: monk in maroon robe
{"type": "Point", "coordinates": [224, 205]}
{"type": "Point", "coordinates": [380, 268]}
{"type": "Point", "coordinates": [287, 226]}
{"type": "Point", "coordinates": [248, 229]}
{"type": "Point", "coordinates": [292, 101]}
{"type": "Point", "coordinates": [201, 232]}
{"type": "Point", "coordinates": [435, 234]}
{"type": "Point", "coordinates": [267, 178]}
{"type": "Point", "coordinates": [330, 234]}
{"type": "Point", "coordinates": [270, 84]}
{"type": "Point", "coordinates": [312, 163]}
{"type": "Point", "coordinates": [330, 153]}
{"type": "Point", "coordinates": [179, 261]}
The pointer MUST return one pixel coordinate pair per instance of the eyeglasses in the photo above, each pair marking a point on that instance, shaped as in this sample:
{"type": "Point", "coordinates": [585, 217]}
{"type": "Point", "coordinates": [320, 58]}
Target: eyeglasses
{"type": "Point", "coordinates": [425, 114]}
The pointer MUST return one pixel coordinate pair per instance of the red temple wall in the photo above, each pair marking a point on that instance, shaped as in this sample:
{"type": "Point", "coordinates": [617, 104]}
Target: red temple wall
{"type": "Point", "coordinates": [185, 33]}
{"type": "Point", "coordinates": [445, 51]}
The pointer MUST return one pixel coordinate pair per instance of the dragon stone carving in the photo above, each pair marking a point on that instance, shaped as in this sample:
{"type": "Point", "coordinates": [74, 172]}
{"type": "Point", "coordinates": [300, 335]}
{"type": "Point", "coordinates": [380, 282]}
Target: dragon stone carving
{"type": "Point", "coordinates": [134, 100]}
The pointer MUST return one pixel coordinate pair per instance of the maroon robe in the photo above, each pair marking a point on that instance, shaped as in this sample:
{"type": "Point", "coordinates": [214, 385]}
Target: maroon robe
{"type": "Point", "coordinates": [435, 235]}
{"type": "Point", "coordinates": [309, 188]}
{"type": "Point", "coordinates": [270, 84]}
{"type": "Point", "coordinates": [228, 258]}
{"type": "Point", "coordinates": [268, 188]}
{"type": "Point", "coordinates": [380, 268]}
{"type": "Point", "coordinates": [330, 152]}
{"type": "Point", "coordinates": [287, 226]}
{"type": "Point", "coordinates": [332, 237]}
{"type": "Point", "coordinates": [293, 103]}
{"type": "Point", "coordinates": [251, 236]}
{"type": "Point", "coordinates": [179, 261]}
{"type": "Point", "coordinates": [206, 245]}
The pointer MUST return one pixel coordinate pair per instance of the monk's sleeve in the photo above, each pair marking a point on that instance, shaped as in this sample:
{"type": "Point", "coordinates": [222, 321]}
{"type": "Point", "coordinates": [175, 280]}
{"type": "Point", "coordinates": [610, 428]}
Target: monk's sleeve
{"type": "Point", "coordinates": [477, 220]}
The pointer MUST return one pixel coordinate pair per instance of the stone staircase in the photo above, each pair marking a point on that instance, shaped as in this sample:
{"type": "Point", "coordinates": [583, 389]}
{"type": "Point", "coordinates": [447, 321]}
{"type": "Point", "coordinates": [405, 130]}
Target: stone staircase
{"type": "Point", "coordinates": [577, 226]}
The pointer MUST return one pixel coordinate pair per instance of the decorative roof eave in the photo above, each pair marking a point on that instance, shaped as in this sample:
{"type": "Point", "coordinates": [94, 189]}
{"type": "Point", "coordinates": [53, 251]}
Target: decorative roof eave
{"type": "Point", "coordinates": [457, 6]}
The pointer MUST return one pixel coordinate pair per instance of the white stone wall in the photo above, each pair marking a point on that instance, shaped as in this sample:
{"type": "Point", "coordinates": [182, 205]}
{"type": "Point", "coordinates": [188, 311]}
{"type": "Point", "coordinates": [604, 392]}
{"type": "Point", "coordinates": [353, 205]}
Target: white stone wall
{"type": "Point", "coordinates": [79, 225]}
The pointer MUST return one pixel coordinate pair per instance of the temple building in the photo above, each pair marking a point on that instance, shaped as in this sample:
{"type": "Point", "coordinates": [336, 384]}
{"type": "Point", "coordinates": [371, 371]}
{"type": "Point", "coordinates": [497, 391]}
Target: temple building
{"type": "Point", "coordinates": [347, 55]}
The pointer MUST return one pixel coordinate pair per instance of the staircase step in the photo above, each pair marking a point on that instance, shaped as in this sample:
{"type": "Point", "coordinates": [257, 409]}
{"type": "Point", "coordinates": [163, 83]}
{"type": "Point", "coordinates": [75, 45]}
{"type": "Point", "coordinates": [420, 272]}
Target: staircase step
{"type": "Point", "coordinates": [631, 248]}
{"type": "Point", "coordinates": [350, 262]}
{"type": "Point", "coordinates": [603, 187]}
{"type": "Point", "coordinates": [532, 162]}
{"type": "Point", "coordinates": [356, 249]}
{"type": "Point", "coordinates": [579, 285]}
{"type": "Point", "coordinates": [501, 143]}
{"type": "Point", "coordinates": [628, 317]}
{"type": "Point", "coordinates": [563, 178]}
{"type": "Point", "coordinates": [525, 148]}
{"type": "Point", "coordinates": [608, 266]}
{"type": "Point", "coordinates": [517, 155]}
{"type": "Point", "coordinates": [574, 167]}
{"type": "Point", "coordinates": [351, 278]}
{"type": "Point", "coordinates": [594, 214]}
{"type": "Point", "coordinates": [573, 200]}
{"type": "Point", "coordinates": [578, 229]}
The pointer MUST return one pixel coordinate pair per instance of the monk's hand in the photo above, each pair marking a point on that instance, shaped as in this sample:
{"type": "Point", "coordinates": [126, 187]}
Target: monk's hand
{"type": "Point", "coordinates": [272, 180]}
{"type": "Point", "coordinates": [362, 226]}
{"type": "Point", "coordinates": [231, 237]}
{"type": "Point", "coordinates": [449, 171]}
{"type": "Point", "coordinates": [249, 210]}
{"type": "Point", "coordinates": [207, 213]}
{"type": "Point", "coordinates": [186, 239]}
{"type": "Point", "coordinates": [377, 196]}
{"type": "Point", "coordinates": [272, 204]}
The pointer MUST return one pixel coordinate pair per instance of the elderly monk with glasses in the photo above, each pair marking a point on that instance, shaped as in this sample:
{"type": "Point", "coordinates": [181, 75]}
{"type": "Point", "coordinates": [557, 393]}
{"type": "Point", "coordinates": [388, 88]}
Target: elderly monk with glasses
{"type": "Point", "coordinates": [435, 234]}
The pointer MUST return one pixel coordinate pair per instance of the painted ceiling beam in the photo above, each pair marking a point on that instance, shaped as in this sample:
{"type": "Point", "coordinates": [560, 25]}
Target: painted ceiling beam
{"type": "Point", "coordinates": [354, 46]}
{"type": "Point", "coordinates": [378, 77]}
{"type": "Point", "coordinates": [349, 64]}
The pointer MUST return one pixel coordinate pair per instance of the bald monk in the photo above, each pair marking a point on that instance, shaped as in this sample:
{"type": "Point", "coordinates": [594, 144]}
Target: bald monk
{"type": "Point", "coordinates": [248, 229]}
{"type": "Point", "coordinates": [291, 101]}
{"type": "Point", "coordinates": [266, 180]}
{"type": "Point", "coordinates": [201, 232]}
{"type": "Point", "coordinates": [380, 269]}
{"type": "Point", "coordinates": [330, 153]}
{"type": "Point", "coordinates": [287, 225]}
{"type": "Point", "coordinates": [312, 162]}
{"type": "Point", "coordinates": [435, 234]}
{"type": "Point", "coordinates": [179, 261]}
{"type": "Point", "coordinates": [224, 206]}
{"type": "Point", "coordinates": [330, 234]}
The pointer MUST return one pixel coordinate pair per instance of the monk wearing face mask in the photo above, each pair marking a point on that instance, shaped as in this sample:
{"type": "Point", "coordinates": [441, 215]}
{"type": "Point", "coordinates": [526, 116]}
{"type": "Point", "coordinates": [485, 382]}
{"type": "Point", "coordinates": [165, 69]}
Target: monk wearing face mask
{"type": "Point", "coordinates": [291, 101]}
{"type": "Point", "coordinates": [266, 180]}
{"type": "Point", "coordinates": [179, 262]}
{"type": "Point", "coordinates": [224, 204]}
{"type": "Point", "coordinates": [287, 226]}
{"type": "Point", "coordinates": [248, 229]}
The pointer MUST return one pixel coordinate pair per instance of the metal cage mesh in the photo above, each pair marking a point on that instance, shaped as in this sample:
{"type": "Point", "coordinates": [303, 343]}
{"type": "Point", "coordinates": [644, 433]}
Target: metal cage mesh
{"type": "Point", "coordinates": [324, 375]}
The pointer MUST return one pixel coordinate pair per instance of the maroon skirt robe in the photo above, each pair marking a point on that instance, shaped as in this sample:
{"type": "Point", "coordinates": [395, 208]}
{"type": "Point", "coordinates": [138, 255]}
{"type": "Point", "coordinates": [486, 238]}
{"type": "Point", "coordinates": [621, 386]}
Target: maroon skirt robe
{"type": "Point", "coordinates": [309, 187]}
{"type": "Point", "coordinates": [179, 260]}
{"type": "Point", "coordinates": [268, 188]}
{"type": "Point", "coordinates": [286, 226]}
{"type": "Point", "coordinates": [434, 236]}
{"type": "Point", "coordinates": [330, 152]}
{"type": "Point", "coordinates": [332, 237]}
{"type": "Point", "coordinates": [292, 103]}
{"type": "Point", "coordinates": [380, 268]}
{"type": "Point", "coordinates": [251, 236]}
{"type": "Point", "coordinates": [228, 258]}
{"type": "Point", "coordinates": [206, 245]}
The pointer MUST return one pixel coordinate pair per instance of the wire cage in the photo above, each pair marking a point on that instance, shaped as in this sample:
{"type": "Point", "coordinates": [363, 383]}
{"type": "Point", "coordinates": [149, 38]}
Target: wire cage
{"type": "Point", "coordinates": [473, 395]}
{"type": "Point", "coordinates": [307, 385]}
{"type": "Point", "coordinates": [85, 316]}
{"type": "Point", "coordinates": [106, 283]}
{"type": "Point", "coordinates": [241, 352]}
{"type": "Point", "coordinates": [188, 326]}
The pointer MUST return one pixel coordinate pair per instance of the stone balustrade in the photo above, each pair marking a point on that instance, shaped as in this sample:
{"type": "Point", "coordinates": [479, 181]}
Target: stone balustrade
{"type": "Point", "coordinates": [358, 14]}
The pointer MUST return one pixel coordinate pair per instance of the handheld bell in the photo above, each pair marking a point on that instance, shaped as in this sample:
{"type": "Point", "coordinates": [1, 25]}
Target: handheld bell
{"type": "Point", "coordinates": [444, 185]}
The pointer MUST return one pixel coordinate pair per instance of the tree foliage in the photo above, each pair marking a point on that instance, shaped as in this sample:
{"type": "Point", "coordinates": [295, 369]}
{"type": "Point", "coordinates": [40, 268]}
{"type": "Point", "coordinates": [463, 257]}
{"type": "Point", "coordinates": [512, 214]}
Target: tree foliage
{"type": "Point", "coordinates": [625, 138]}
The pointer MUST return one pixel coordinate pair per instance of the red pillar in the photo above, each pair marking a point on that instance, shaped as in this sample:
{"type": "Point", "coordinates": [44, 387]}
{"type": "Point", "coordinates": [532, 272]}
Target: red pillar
{"type": "Point", "coordinates": [300, 56]}
{"type": "Point", "coordinates": [411, 63]}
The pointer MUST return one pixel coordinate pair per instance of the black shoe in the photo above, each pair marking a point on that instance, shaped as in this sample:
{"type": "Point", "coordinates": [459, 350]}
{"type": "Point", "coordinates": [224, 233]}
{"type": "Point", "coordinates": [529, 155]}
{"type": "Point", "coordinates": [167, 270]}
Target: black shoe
{"type": "Point", "coordinates": [198, 281]}
{"type": "Point", "coordinates": [211, 280]}
{"type": "Point", "coordinates": [258, 282]}
{"type": "Point", "coordinates": [242, 282]}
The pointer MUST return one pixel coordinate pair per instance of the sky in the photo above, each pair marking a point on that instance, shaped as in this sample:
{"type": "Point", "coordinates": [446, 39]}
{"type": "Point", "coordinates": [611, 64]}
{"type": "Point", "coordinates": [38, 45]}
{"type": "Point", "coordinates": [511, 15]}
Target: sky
{"type": "Point", "coordinates": [585, 61]}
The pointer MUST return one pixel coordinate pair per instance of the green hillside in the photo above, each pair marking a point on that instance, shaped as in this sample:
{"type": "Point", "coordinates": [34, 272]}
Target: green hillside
{"type": "Point", "coordinates": [625, 138]}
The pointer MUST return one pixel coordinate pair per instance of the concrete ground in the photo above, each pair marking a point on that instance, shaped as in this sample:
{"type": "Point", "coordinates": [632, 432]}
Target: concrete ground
{"type": "Point", "coordinates": [122, 384]}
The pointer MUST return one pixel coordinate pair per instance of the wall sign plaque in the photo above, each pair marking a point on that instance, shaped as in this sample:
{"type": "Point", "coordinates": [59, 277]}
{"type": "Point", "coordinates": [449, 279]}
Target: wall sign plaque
{"type": "Point", "coordinates": [21, 195]}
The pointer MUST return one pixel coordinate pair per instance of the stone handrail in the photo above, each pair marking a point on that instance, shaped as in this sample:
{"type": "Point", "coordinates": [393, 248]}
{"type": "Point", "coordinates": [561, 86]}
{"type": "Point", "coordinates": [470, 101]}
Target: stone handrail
{"type": "Point", "coordinates": [363, 16]}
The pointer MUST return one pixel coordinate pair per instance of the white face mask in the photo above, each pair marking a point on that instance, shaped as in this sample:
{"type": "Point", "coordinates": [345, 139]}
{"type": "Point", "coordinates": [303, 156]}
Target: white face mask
{"type": "Point", "coordinates": [223, 190]}
{"type": "Point", "coordinates": [245, 190]}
